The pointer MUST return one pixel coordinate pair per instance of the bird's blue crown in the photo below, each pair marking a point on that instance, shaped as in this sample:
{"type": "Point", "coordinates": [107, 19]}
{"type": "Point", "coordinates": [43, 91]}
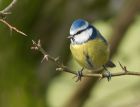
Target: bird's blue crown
{"type": "Point", "coordinates": [78, 25]}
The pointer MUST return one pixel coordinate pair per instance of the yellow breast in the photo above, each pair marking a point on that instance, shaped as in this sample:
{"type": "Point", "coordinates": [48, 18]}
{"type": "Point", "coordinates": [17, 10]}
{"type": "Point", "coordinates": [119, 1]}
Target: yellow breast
{"type": "Point", "coordinates": [92, 54]}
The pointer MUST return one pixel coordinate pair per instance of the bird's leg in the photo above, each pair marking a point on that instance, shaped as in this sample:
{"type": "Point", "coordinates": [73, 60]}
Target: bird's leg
{"type": "Point", "coordinates": [79, 75]}
{"type": "Point", "coordinates": [107, 73]}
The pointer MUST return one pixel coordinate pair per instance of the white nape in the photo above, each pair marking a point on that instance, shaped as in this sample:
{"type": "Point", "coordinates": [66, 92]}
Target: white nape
{"type": "Point", "coordinates": [83, 36]}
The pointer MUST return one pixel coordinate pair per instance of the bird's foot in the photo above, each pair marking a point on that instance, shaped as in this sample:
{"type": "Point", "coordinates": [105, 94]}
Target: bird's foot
{"type": "Point", "coordinates": [79, 75]}
{"type": "Point", "coordinates": [106, 73]}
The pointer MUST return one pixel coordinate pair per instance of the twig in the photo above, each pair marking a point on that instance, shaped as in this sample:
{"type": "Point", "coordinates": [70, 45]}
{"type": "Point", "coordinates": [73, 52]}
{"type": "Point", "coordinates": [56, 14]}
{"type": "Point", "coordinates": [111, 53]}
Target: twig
{"type": "Point", "coordinates": [61, 67]}
{"type": "Point", "coordinates": [3, 14]}
{"type": "Point", "coordinates": [9, 7]}
{"type": "Point", "coordinates": [37, 46]}
{"type": "Point", "coordinates": [12, 27]}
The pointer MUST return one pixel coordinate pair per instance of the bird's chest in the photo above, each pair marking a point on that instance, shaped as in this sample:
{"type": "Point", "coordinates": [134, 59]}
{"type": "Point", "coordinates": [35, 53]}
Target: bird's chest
{"type": "Point", "coordinates": [92, 54]}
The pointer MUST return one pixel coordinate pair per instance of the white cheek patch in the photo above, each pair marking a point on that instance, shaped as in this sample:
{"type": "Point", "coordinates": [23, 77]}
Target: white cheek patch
{"type": "Point", "coordinates": [83, 36]}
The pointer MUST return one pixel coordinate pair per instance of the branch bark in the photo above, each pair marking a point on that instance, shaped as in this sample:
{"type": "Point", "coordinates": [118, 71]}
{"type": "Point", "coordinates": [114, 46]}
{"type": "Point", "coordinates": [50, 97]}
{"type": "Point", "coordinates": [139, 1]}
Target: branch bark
{"type": "Point", "coordinates": [37, 46]}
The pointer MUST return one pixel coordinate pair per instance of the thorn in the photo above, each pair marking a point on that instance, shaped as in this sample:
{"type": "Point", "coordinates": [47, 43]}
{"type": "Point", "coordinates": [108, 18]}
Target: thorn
{"type": "Point", "coordinates": [32, 48]}
{"type": "Point", "coordinates": [33, 42]}
{"type": "Point", "coordinates": [59, 69]}
{"type": "Point", "coordinates": [39, 43]}
{"type": "Point", "coordinates": [57, 58]}
{"type": "Point", "coordinates": [44, 58]}
{"type": "Point", "coordinates": [35, 46]}
{"type": "Point", "coordinates": [123, 67]}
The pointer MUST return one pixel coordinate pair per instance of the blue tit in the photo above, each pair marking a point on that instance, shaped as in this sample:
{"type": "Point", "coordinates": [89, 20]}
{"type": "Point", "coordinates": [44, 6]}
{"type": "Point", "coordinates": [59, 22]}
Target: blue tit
{"type": "Point", "coordinates": [89, 48]}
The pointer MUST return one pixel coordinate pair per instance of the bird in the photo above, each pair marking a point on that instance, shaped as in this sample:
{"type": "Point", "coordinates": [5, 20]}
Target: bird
{"type": "Point", "coordinates": [89, 48]}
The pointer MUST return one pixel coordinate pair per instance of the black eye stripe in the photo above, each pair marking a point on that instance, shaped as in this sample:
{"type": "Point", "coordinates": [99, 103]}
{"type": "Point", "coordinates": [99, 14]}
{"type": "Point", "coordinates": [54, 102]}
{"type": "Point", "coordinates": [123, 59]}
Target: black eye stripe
{"type": "Point", "coordinates": [80, 32]}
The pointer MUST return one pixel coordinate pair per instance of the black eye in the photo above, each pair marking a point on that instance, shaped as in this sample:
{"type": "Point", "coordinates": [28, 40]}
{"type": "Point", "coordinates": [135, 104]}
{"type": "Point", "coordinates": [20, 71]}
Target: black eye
{"type": "Point", "coordinates": [79, 32]}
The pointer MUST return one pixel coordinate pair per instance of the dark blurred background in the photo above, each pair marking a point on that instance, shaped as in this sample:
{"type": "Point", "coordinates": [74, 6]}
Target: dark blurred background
{"type": "Point", "coordinates": [26, 82]}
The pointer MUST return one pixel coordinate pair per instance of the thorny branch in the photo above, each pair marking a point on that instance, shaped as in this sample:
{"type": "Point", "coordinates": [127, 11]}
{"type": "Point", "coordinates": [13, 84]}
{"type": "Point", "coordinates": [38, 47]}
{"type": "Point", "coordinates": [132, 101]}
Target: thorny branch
{"type": "Point", "coordinates": [4, 13]}
{"type": "Point", "coordinates": [12, 27]}
{"type": "Point", "coordinates": [61, 67]}
{"type": "Point", "coordinates": [8, 8]}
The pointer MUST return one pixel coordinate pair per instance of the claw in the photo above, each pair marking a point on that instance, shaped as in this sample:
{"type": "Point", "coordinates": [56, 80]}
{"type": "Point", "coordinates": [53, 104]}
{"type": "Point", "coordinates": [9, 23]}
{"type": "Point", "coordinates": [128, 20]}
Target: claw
{"type": "Point", "coordinates": [79, 75]}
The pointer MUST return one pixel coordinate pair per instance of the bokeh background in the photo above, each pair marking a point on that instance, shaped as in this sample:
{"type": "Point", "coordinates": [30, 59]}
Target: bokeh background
{"type": "Point", "coordinates": [25, 82]}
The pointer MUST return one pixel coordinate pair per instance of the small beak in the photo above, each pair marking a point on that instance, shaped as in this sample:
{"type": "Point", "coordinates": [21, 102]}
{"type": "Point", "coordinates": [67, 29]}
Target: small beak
{"type": "Point", "coordinates": [70, 37]}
